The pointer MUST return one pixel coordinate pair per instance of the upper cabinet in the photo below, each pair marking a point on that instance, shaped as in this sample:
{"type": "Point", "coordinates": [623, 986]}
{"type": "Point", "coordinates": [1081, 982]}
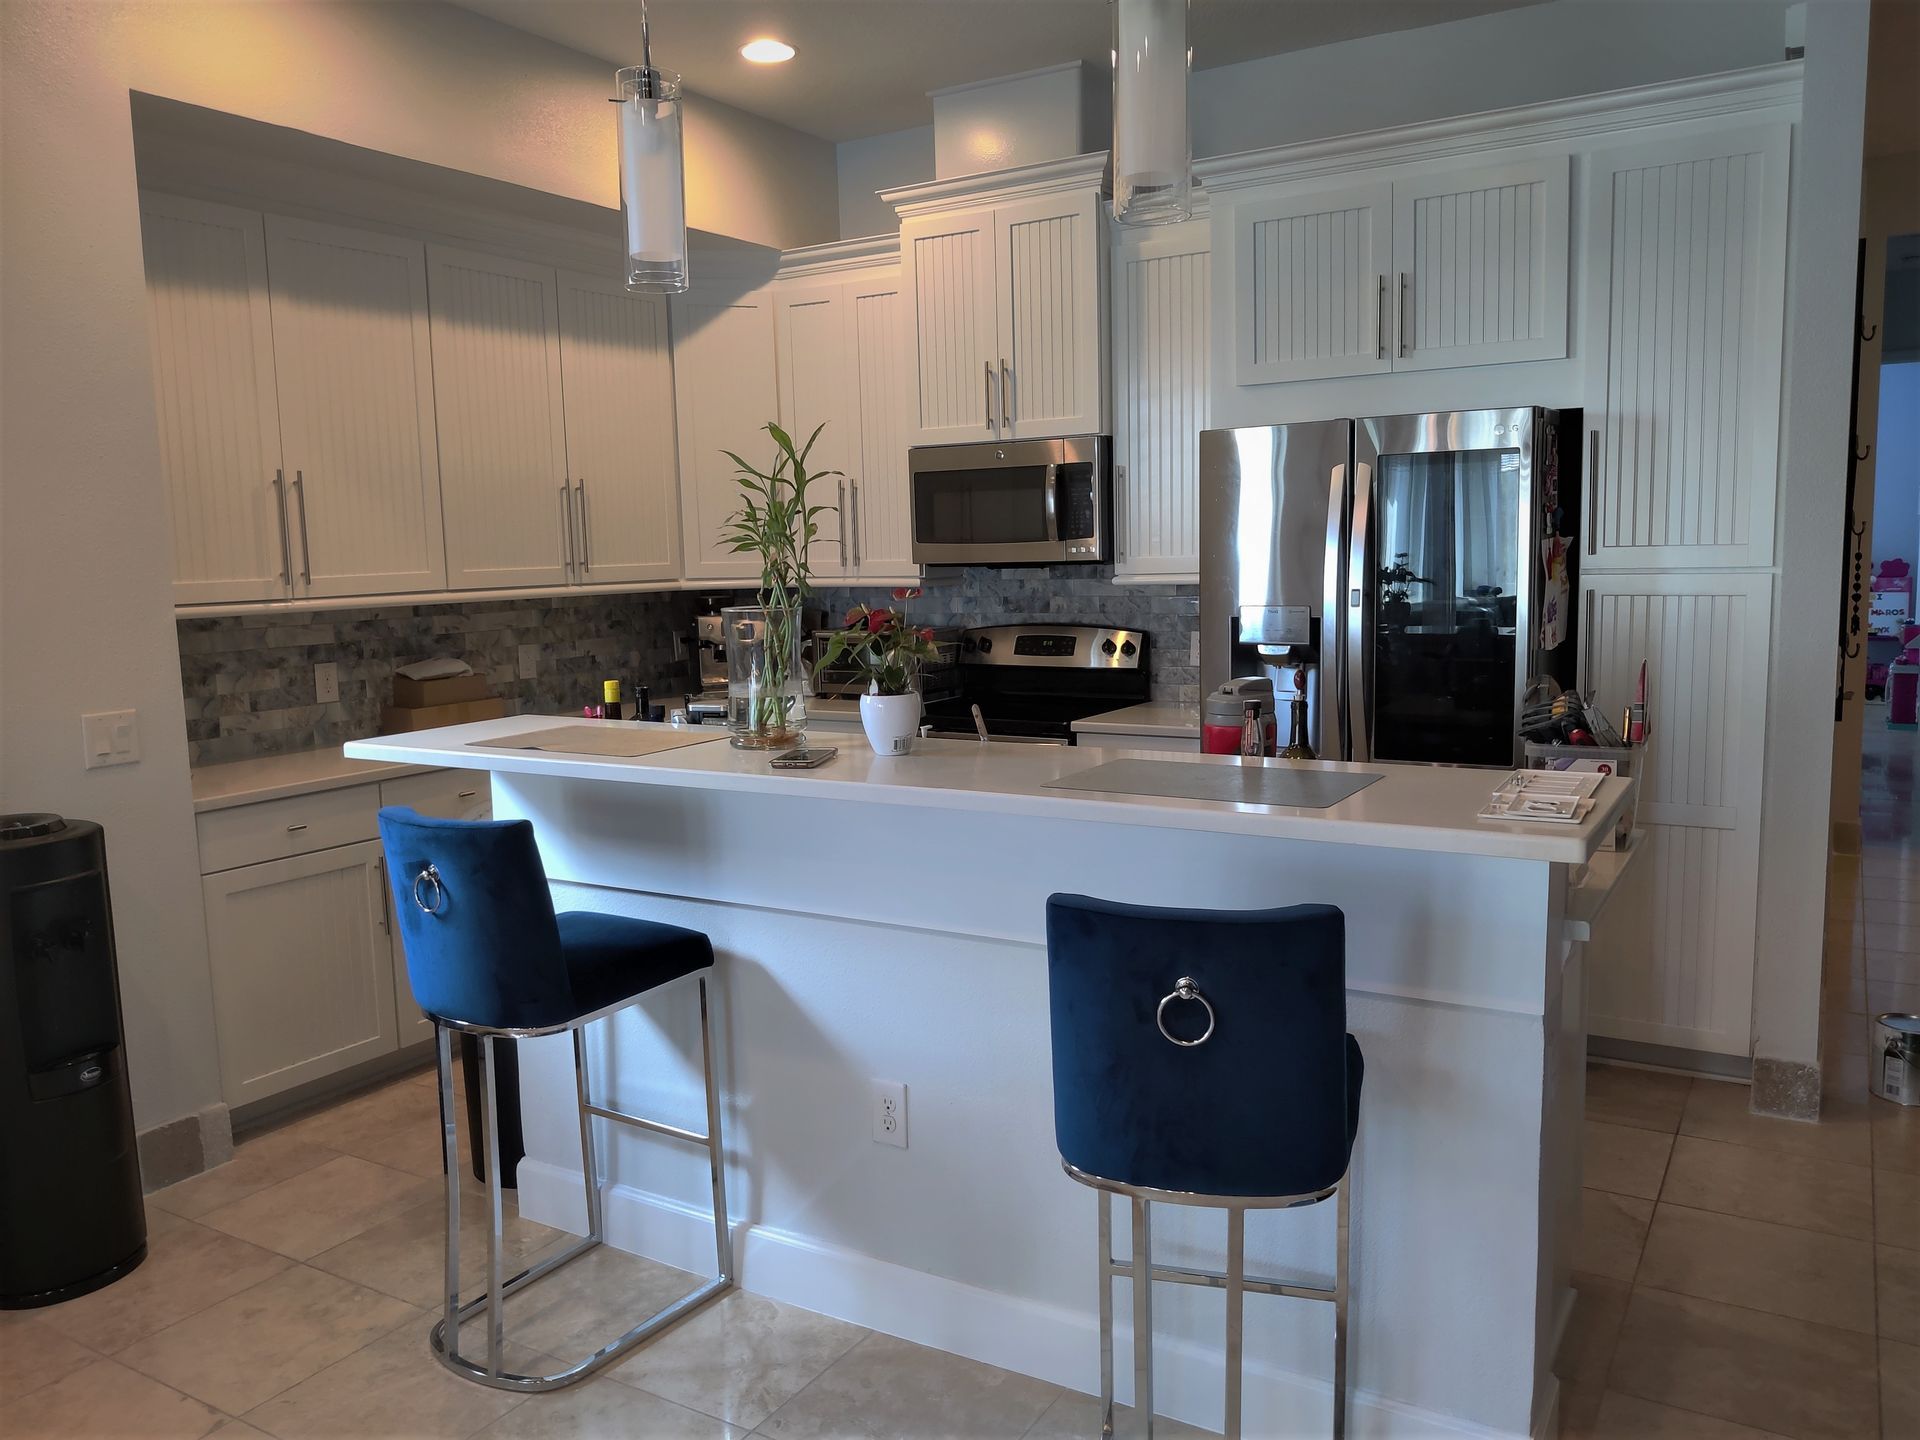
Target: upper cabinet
{"type": "Point", "coordinates": [725, 392]}
{"type": "Point", "coordinates": [1685, 303]}
{"type": "Point", "coordinates": [355, 380]}
{"type": "Point", "coordinates": [819, 388]}
{"type": "Point", "coordinates": [1005, 310]}
{"type": "Point", "coordinates": [1447, 268]}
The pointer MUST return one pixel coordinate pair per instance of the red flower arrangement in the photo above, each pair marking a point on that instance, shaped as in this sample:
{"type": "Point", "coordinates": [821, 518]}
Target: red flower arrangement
{"type": "Point", "coordinates": [883, 649]}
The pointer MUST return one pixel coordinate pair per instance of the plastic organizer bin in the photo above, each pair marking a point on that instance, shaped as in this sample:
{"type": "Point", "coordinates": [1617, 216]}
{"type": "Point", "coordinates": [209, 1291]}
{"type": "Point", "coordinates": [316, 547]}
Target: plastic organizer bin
{"type": "Point", "coordinates": [1629, 762]}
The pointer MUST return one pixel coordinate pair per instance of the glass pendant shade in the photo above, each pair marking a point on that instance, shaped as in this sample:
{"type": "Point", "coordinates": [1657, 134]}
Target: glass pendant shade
{"type": "Point", "coordinates": [1152, 143]}
{"type": "Point", "coordinates": [653, 195]}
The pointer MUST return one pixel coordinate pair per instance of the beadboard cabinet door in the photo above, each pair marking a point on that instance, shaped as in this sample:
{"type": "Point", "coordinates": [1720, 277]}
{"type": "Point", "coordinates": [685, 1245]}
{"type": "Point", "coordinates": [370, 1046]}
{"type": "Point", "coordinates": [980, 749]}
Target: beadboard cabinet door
{"type": "Point", "coordinates": [503, 456]}
{"type": "Point", "coordinates": [617, 368]}
{"type": "Point", "coordinates": [1160, 397]}
{"type": "Point", "coordinates": [1686, 977]}
{"type": "Point", "coordinates": [947, 270]}
{"type": "Point", "coordinates": [881, 498]}
{"type": "Point", "coordinates": [1480, 265]}
{"type": "Point", "coordinates": [354, 368]}
{"type": "Point", "coordinates": [212, 341]}
{"type": "Point", "coordinates": [1309, 273]}
{"type": "Point", "coordinates": [1048, 273]}
{"type": "Point", "coordinates": [725, 391]}
{"type": "Point", "coordinates": [1685, 302]}
{"type": "Point", "coordinates": [820, 387]}
{"type": "Point", "coordinates": [302, 964]}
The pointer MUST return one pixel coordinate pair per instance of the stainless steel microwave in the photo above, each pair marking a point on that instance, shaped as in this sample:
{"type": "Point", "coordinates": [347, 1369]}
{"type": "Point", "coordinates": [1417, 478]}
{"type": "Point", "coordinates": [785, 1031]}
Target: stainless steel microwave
{"type": "Point", "coordinates": [1012, 502]}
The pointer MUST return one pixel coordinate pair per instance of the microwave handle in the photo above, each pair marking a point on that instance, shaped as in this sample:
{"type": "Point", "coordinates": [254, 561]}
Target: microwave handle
{"type": "Point", "coordinates": [1053, 502]}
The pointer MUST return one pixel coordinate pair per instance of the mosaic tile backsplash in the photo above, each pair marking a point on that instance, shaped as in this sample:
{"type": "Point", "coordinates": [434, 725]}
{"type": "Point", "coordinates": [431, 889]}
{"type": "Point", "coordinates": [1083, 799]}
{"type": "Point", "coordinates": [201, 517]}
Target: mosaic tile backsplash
{"type": "Point", "coordinates": [248, 679]}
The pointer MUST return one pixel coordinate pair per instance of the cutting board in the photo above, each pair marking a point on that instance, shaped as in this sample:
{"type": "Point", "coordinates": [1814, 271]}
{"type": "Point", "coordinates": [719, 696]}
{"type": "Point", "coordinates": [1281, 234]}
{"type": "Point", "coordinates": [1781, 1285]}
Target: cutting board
{"type": "Point", "coordinates": [1228, 784]}
{"type": "Point", "coordinates": [604, 740]}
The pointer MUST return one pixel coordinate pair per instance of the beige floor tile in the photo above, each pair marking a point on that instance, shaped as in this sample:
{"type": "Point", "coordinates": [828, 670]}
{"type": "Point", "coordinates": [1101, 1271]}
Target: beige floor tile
{"type": "Point", "coordinates": [576, 1309]}
{"type": "Point", "coordinates": [1624, 1160]}
{"type": "Point", "coordinates": [34, 1354]}
{"type": "Point", "coordinates": [188, 1267]}
{"type": "Point", "coordinates": [1897, 1288]}
{"type": "Point", "coordinates": [324, 1206]}
{"type": "Point", "coordinates": [1822, 1278]}
{"type": "Point", "coordinates": [1648, 1099]}
{"type": "Point", "coordinates": [1903, 967]}
{"type": "Point", "coordinates": [236, 1430]}
{"type": "Point", "coordinates": [1775, 1185]}
{"type": "Point", "coordinates": [106, 1401]}
{"type": "Point", "coordinates": [1881, 886]}
{"type": "Point", "coordinates": [249, 1348]}
{"type": "Point", "coordinates": [1896, 1209]}
{"type": "Point", "coordinates": [1811, 1382]}
{"type": "Point", "coordinates": [406, 1256]}
{"type": "Point", "coordinates": [1627, 1417]}
{"type": "Point", "coordinates": [1892, 995]}
{"type": "Point", "coordinates": [256, 1164]}
{"type": "Point", "coordinates": [1586, 1349]}
{"type": "Point", "coordinates": [1896, 1136]}
{"type": "Point", "coordinates": [890, 1389]}
{"type": "Point", "coordinates": [1613, 1228]}
{"type": "Point", "coordinates": [1899, 1390]}
{"type": "Point", "coordinates": [1882, 911]}
{"type": "Point", "coordinates": [392, 1387]}
{"type": "Point", "coordinates": [1580, 1409]}
{"type": "Point", "coordinates": [741, 1358]}
{"type": "Point", "coordinates": [397, 1126]}
{"type": "Point", "coordinates": [1075, 1416]}
{"type": "Point", "coordinates": [1844, 989]}
{"type": "Point", "coordinates": [1719, 1112]}
{"type": "Point", "coordinates": [604, 1409]}
{"type": "Point", "coordinates": [1843, 1033]}
{"type": "Point", "coordinates": [1844, 1077]}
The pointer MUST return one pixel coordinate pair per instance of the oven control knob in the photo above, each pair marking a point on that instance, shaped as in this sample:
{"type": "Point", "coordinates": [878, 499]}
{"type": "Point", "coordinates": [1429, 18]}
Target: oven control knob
{"type": "Point", "coordinates": [986, 646]}
{"type": "Point", "coordinates": [1127, 647]}
{"type": "Point", "coordinates": [1107, 647]}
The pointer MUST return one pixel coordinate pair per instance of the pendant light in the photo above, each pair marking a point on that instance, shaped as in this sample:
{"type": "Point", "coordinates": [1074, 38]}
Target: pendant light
{"type": "Point", "coordinates": [1152, 144]}
{"type": "Point", "coordinates": [653, 193]}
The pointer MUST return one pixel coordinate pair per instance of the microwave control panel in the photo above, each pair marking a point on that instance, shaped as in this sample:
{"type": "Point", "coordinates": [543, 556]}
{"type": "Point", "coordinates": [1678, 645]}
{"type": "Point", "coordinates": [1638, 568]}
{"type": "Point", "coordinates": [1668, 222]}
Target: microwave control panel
{"type": "Point", "coordinates": [1079, 525]}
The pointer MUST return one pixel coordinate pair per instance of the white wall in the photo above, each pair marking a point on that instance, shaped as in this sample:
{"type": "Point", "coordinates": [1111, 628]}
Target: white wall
{"type": "Point", "coordinates": [879, 162]}
{"type": "Point", "coordinates": [1020, 120]}
{"type": "Point", "coordinates": [1896, 466]}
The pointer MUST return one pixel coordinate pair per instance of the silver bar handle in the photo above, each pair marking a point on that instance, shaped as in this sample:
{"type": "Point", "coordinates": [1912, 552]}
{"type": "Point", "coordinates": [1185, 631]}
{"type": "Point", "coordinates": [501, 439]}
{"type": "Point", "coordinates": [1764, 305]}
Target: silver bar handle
{"type": "Point", "coordinates": [586, 528]}
{"type": "Point", "coordinates": [1400, 316]}
{"type": "Point", "coordinates": [1053, 502]}
{"type": "Point", "coordinates": [1380, 320]}
{"type": "Point", "coordinates": [566, 528]}
{"type": "Point", "coordinates": [1335, 739]}
{"type": "Point", "coordinates": [286, 545]}
{"type": "Point", "coordinates": [386, 894]}
{"type": "Point", "coordinates": [1586, 641]}
{"type": "Point", "coordinates": [1358, 582]}
{"type": "Point", "coordinates": [992, 423]}
{"type": "Point", "coordinates": [306, 545]}
{"type": "Point", "coordinates": [854, 487]}
{"type": "Point", "coordinates": [1592, 488]}
{"type": "Point", "coordinates": [1006, 406]}
{"type": "Point", "coordinates": [840, 514]}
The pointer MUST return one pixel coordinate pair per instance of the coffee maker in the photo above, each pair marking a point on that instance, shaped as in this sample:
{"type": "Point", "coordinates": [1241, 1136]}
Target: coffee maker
{"type": "Point", "coordinates": [709, 701]}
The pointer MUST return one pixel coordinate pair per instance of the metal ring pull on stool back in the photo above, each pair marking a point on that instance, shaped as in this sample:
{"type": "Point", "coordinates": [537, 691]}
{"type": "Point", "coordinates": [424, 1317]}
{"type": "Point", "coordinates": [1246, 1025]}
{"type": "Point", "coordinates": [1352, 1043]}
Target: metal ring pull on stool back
{"type": "Point", "coordinates": [1184, 989]}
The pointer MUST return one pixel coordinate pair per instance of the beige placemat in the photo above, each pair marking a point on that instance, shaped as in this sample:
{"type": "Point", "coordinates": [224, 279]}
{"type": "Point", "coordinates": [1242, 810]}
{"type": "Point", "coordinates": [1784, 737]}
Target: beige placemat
{"type": "Point", "coordinates": [615, 740]}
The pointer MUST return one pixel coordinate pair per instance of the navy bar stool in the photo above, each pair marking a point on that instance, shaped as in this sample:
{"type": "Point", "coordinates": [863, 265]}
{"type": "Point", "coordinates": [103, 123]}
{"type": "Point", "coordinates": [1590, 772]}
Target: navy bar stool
{"type": "Point", "coordinates": [487, 956]}
{"type": "Point", "coordinates": [1202, 1058]}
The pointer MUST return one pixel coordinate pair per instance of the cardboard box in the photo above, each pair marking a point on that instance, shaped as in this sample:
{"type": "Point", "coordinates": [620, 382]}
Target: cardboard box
{"type": "Point", "coordinates": [398, 719]}
{"type": "Point", "coordinates": [450, 690]}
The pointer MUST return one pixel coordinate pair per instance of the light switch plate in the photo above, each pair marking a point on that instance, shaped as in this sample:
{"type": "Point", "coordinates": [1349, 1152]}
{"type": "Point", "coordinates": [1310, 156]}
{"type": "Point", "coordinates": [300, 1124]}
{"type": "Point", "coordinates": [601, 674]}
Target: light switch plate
{"type": "Point", "coordinates": [326, 684]}
{"type": "Point", "coordinates": [110, 737]}
{"type": "Point", "coordinates": [529, 662]}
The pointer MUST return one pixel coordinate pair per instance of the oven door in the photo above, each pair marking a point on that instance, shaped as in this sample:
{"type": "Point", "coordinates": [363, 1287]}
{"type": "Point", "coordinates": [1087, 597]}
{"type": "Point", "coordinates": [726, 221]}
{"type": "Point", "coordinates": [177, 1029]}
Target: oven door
{"type": "Point", "coordinates": [1024, 502]}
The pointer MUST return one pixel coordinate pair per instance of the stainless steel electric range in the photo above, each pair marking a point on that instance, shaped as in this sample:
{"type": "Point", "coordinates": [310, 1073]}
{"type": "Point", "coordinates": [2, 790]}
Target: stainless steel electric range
{"type": "Point", "coordinates": [1031, 682]}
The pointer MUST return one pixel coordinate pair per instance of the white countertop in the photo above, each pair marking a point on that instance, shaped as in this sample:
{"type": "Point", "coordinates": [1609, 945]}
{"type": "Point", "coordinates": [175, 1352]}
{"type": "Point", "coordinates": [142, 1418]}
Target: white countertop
{"type": "Point", "coordinates": [1413, 807]}
{"type": "Point", "coordinates": [274, 777]}
{"type": "Point", "coordinates": [1173, 722]}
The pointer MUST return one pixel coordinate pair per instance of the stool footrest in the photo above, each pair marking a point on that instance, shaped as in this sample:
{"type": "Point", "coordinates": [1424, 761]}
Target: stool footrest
{"type": "Point", "coordinates": [1216, 1279]}
{"type": "Point", "coordinates": [658, 1127]}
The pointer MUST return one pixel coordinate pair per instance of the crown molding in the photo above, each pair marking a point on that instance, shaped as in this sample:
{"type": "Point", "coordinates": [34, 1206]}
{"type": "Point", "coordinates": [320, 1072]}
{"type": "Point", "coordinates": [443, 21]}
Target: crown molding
{"type": "Point", "coordinates": [865, 253]}
{"type": "Point", "coordinates": [1048, 177]}
{"type": "Point", "coordinates": [1765, 87]}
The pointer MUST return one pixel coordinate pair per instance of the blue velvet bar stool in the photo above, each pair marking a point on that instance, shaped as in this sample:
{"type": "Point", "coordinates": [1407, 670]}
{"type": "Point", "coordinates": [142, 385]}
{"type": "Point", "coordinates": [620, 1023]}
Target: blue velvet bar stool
{"type": "Point", "coordinates": [487, 956]}
{"type": "Point", "coordinates": [1201, 1057]}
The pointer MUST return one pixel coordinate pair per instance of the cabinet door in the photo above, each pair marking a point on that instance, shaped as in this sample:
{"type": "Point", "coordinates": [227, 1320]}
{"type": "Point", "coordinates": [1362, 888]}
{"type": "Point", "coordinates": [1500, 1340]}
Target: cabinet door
{"type": "Point", "coordinates": [946, 265]}
{"type": "Point", "coordinates": [302, 968]}
{"type": "Point", "coordinates": [503, 452]}
{"type": "Point", "coordinates": [618, 390]}
{"type": "Point", "coordinates": [724, 394]}
{"type": "Point", "coordinates": [880, 496]}
{"type": "Point", "coordinates": [1682, 973]}
{"type": "Point", "coordinates": [1050, 258]}
{"type": "Point", "coordinates": [1309, 276]}
{"type": "Point", "coordinates": [355, 382]}
{"type": "Point", "coordinates": [1160, 373]}
{"type": "Point", "coordinates": [1686, 242]}
{"type": "Point", "coordinates": [446, 795]}
{"type": "Point", "coordinates": [212, 338]}
{"type": "Point", "coordinates": [818, 387]}
{"type": "Point", "coordinates": [1480, 264]}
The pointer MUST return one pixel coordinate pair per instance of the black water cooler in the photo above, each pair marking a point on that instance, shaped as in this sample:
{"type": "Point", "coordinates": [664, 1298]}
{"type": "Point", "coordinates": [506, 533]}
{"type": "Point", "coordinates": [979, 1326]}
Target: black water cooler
{"type": "Point", "coordinates": [71, 1218]}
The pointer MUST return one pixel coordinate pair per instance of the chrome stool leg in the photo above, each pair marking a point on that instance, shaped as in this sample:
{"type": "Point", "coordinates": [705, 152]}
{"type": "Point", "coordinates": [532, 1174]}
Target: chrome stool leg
{"type": "Point", "coordinates": [496, 1302]}
{"type": "Point", "coordinates": [716, 1149]}
{"type": "Point", "coordinates": [589, 1156]}
{"type": "Point", "coordinates": [450, 1143]}
{"type": "Point", "coordinates": [1106, 1313]}
{"type": "Point", "coordinates": [1340, 1311]}
{"type": "Point", "coordinates": [1142, 1317]}
{"type": "Point", "coordinates": [1236, 1295]}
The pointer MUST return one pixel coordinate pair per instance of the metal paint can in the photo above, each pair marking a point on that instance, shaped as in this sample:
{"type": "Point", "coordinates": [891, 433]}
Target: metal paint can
{"type": "Point", "coordinates": [1893, 1058]}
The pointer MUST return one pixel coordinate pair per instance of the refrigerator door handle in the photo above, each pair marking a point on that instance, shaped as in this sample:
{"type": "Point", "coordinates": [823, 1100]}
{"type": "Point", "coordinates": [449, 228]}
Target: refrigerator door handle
{"type": "Point", "coordinates": [1355, 680]}
{"type": "Point", "coordinates": [1333, 609]}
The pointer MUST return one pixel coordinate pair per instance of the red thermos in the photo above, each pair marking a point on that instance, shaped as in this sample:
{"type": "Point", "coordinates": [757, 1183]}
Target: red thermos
{"type": "Point", "coordinates": [1224, 714]}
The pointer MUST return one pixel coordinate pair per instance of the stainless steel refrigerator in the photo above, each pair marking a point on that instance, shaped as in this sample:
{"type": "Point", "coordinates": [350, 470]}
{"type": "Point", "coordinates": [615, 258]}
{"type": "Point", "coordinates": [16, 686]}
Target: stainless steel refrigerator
{"type": "Point", "coordinates": [1418, 570]}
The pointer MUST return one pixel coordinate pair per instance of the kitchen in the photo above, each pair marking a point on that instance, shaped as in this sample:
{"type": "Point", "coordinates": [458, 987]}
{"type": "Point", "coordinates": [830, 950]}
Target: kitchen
{"type": "Point", "coordinates": [540, 489]}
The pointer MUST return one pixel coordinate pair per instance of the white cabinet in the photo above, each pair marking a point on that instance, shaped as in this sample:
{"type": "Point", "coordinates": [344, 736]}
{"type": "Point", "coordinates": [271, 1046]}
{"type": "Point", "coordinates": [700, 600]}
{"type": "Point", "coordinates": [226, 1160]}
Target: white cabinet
{"type": "Point", "coordinates": [302, 968]}
{"type": "Point", "coordinates": [503, 460]}
{"type": "Point", "coordinates": [212, 340]}
{"type": "Point", "coordinates": [355, 380]}
{"type": "Point", "coordinates": [724, 394]}
{"type": "Point", "coordinates": [618, 389]}
{"type": "Point", "coordinates": [1309, 274]}
{"type": "Point", "coordinates": [819, 387]}
{"type": "Point", "coordinates": [1006, 311]}
{"type": "Point", "coordinates": [1160, 397]}
{"type": "Point", "coordinates": [1686, 264]}
{"type": "Point", "coordinates": [882, 501]}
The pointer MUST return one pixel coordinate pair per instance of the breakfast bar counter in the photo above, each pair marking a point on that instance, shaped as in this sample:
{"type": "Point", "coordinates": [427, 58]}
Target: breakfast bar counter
{"type": "Point", "coordinates": [882, 919]}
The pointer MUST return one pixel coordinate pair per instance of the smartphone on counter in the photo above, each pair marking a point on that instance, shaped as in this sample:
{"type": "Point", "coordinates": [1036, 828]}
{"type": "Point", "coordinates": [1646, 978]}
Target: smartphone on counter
{"type": "Point", "coordinates": [805, 759]}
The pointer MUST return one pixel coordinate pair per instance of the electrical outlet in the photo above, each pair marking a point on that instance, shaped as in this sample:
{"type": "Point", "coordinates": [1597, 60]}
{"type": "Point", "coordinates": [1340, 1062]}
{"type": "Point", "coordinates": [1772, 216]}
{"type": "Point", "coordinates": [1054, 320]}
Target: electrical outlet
{"type": "Point", "coordinates": [1193, 648]}
{"type": "Point", "coordinates": [890, 1113]}
{"type": "Point", "coordinates": [529, 662]}
{"type": "Point", "coordinates": [326, 684]}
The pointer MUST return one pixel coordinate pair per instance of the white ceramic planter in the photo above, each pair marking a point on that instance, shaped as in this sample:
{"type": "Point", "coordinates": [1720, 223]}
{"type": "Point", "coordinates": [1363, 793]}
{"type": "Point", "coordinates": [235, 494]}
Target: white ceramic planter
{"type": "Point", "coordinates": [891, 721]}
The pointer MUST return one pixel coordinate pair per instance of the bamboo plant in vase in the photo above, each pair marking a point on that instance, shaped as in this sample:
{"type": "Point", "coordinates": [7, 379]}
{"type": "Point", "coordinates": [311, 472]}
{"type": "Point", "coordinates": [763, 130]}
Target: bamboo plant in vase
{"type": "Point", "coordinates": [887, 653]}
{"type": "Point", "coordinates": [777, 523]}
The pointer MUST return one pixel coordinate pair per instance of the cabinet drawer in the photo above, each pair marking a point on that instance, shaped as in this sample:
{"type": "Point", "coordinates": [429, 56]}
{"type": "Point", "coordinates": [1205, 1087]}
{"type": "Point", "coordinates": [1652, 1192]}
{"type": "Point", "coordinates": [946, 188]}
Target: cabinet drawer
{"type": "Point", "coordinates": [443, 794]}
{"type": "Point", "coordinates": [273, 829]}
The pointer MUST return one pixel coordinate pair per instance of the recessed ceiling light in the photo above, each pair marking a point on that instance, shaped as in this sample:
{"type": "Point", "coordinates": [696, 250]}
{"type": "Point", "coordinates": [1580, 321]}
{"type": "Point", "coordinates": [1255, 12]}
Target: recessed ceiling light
{"type": "Point", "coordinates": [767, 51]}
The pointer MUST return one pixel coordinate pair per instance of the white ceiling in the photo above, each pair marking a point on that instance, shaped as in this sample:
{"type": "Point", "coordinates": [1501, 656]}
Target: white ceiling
{"type": "Point", "coordinates": [864, 67]}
